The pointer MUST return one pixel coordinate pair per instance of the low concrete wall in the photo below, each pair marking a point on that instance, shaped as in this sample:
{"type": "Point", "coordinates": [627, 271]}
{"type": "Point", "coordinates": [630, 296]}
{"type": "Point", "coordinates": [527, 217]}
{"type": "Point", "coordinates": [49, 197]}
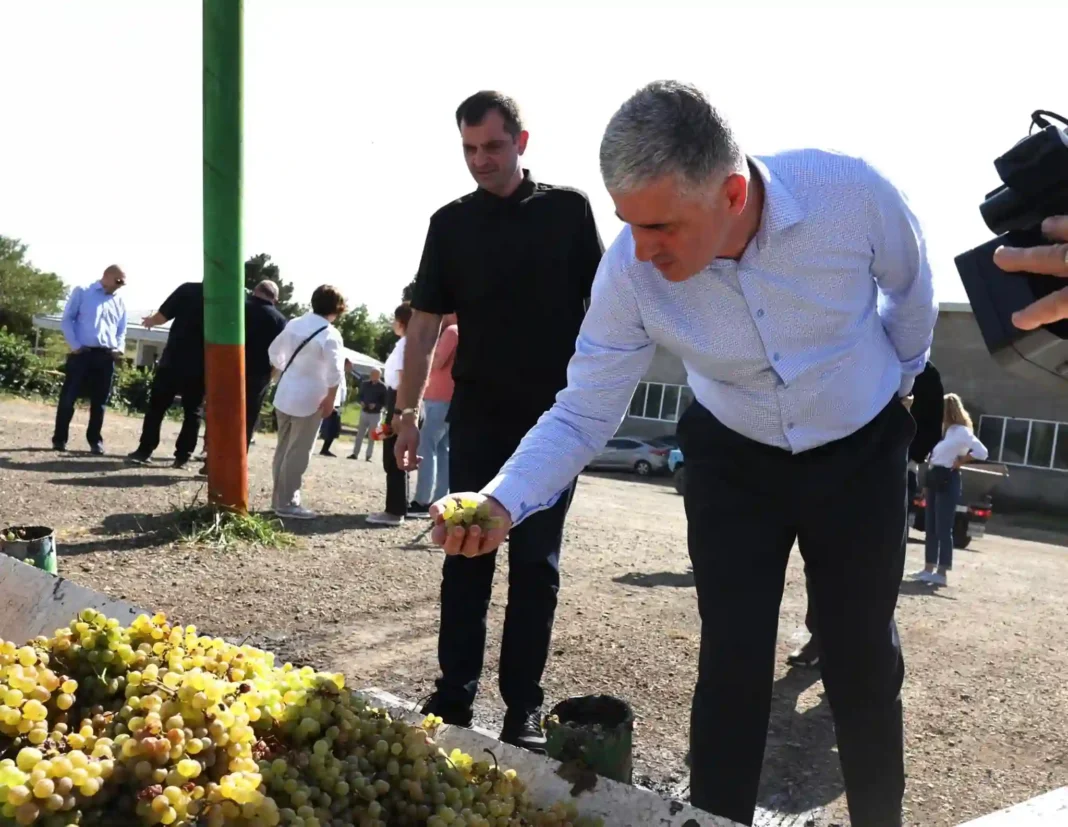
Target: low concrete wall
{"type": "Point", "coordinates": [1049, 810]}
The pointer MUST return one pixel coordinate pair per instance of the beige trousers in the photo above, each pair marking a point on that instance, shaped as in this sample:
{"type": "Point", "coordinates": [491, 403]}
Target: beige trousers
{"type": "Point", "coordinates": [296, 439]}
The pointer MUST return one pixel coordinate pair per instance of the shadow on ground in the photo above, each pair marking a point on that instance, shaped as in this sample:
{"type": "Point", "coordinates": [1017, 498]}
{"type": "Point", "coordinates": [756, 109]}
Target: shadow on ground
{"type": "Point", "coordinates": [59, 466]}
{"type": "Point", "coordinates": [1035, 528]}
{"type": "Point", "coordinates": [914, 588]}
{"type": "Point", "coordinates": [800, 761]}
{"type": "Point", "coordinates": [673, 579]}
{"type": "Point", "coordinates": [123, 532]}
{"type": "Point", "coordinates": [122, 480]}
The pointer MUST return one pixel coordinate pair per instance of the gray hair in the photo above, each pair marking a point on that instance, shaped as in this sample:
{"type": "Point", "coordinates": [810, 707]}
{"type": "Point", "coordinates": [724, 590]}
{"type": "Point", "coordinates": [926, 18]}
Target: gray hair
{"type": "Point", "coordinates": [267, 289]}
{"type": "Point", "coordinates": [667, 128]}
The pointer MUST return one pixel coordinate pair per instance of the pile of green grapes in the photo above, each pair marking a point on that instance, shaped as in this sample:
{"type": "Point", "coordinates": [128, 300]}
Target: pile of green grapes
{"type": "Point", "coordinates": [466, 513]}
{"type": "Point", "coordinates": [158, 724]}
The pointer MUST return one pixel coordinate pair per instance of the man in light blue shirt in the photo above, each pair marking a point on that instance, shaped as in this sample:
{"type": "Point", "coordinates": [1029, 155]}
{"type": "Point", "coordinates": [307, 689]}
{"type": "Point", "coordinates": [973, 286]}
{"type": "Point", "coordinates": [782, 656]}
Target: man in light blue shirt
{"type": "Point", "coordinates": [94, 325]}
{"type": "Point", "coordinates": [796, 290]}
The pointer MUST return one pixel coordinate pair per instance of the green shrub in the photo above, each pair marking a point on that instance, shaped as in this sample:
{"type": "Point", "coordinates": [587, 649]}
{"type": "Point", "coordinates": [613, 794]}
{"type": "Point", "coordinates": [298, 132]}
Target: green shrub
{"type": "Point", "coordinates": [132, 388]}
{"type": "Point", "coordinates": [22, 372]}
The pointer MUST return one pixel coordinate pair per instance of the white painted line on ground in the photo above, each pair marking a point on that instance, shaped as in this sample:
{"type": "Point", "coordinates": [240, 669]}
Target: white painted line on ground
{"type": "Point", "coordinates": [1049, 810]}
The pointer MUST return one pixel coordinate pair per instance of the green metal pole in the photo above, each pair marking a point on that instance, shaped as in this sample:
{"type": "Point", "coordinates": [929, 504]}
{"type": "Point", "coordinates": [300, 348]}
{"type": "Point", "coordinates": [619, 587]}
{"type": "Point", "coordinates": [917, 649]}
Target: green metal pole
{"type": "Point", "coordinates": [224, 294]}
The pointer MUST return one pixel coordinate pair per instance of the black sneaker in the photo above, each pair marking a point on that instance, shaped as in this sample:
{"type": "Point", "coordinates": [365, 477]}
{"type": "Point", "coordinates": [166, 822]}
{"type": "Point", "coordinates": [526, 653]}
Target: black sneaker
{"type": "Point", "coordinates": [452, 714]}
{"type": "Point", "coordinates": [180, 461]}
{"type": "Point", "coordinates": [325, 453]}
{"type": "Point", "coordinates": [139, 458]}
{"type": "Point", "coordinates": [59, 446]}
{"type": "Point", "coordinates": [97, 450]}
{"type": "Point", "coordinates": [203, 470]}
{"type": "Point", "coordinates": [418, 510]}
{"type": "Point", "coordinates": [524, 730]}
{"type": "Point", "coordinates": [807, 655]}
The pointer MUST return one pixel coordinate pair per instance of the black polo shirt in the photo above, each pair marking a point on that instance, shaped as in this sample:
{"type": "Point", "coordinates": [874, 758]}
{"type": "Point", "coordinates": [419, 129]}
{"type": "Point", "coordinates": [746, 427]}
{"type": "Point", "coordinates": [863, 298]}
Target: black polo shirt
{"type": "Point", "coordinates": [184, 309]}
{"type": "Point", "coordinates": [263, 323]}
{"type": "Point", "coordinates": [517, 272]}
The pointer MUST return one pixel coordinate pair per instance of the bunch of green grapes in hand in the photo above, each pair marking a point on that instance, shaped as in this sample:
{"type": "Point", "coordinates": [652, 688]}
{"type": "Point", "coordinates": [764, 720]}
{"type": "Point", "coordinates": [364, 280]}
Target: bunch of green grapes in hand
{"type": "Point", "coordinates": [465, 513]}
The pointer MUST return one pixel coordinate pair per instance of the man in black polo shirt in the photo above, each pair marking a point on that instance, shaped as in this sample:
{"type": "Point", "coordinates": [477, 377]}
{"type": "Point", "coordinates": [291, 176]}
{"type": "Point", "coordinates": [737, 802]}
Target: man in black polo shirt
{"type": "Point", "coordinates": [515, 261]}
{"type": "Point", "coordinates": [179, 372]}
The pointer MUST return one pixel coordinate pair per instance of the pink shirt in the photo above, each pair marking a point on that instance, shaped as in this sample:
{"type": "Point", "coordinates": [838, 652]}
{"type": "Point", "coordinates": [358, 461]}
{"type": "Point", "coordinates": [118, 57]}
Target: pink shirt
{"type": "Point", "coordinates": [439, 386]}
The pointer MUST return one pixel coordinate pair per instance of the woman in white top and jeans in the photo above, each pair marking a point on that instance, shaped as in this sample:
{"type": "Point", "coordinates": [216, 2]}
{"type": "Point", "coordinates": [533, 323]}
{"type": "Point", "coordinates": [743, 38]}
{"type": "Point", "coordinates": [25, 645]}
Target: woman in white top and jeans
{"type": "Point", "coordinates": [958, 446]}
{"type": "Point", "coordinates": [311, 356]}
{"type": "Point", "coordinates": [396, 479]}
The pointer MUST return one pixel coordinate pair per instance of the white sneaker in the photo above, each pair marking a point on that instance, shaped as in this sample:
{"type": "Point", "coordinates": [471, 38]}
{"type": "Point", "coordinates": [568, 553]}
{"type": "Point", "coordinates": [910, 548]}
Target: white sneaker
{"type": "Point", "coordinates": [295, 512]}
{"type": "Point", "coordinates": [391, 520]}
{"type": "Point", "coordinates": [922, 576]}
{"type": "Point", "coordinates": [936, 579]}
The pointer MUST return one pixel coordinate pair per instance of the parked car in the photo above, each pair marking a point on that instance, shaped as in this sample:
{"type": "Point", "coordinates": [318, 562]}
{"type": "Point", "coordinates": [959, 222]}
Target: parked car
{"type": "Point", "coordinates": [678, 470]}
{"type": "Point", "coordinates": [973, 511]}
{"type": "Point", "coordinates": [627, 453]}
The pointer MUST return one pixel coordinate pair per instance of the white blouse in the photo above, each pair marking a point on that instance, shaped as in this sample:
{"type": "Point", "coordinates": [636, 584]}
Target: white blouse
{"type": "Point", "coordinates": [395, 364]}
{"type": "Point", "coordinates": [957, 442]}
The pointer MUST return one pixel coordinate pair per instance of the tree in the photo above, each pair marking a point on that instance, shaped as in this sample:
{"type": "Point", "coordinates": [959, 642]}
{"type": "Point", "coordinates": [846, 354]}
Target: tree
{"type": "Point", "coordinates": [25, 291]}
{"type": "Point", "coordinates": [260, 267]}
{"type": "Point", "coordinates": [409, 290]}
{"type": "Point", "coordinates": [358, 330]}
{"type": "Point", "coordinates": [386, 338]}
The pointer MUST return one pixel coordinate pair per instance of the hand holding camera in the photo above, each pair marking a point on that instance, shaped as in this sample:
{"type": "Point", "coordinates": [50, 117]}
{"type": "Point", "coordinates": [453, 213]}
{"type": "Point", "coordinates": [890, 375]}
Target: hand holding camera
{"type": "Point", "coordinates": [1046, 259]}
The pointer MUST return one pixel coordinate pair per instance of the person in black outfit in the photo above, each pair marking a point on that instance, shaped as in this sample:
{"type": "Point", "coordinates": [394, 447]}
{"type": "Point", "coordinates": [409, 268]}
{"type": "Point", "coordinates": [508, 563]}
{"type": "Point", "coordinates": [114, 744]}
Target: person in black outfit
{"type": "Point", "coordinates": [926, 408]}
{"type": "Point", "coordinates": [515, 260]}
{"type": "Point", "coordinates": [179, 372]}
{"type": "Point", "coordinates": [372, 399]}
{"type": "Point", "coordinates": [263, 323]}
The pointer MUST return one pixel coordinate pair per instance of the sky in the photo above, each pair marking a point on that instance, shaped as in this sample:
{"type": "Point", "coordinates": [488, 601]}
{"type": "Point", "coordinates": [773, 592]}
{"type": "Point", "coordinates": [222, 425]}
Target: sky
{"type": "Point", "coordinates": [350, 143]}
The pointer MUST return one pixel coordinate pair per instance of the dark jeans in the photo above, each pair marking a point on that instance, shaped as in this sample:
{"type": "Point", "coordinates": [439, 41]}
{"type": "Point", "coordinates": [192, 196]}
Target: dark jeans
{"type": "Point", "coordinates": [844, 503]}
{"type": "Point", "coordinates": [396, 479]}
{"type": "Point", "coordinates": [92, 372]}
{"type": "Point", "coordinates": [477, 451]}
{"type": "Point", "coordinates": [166, 385]}
{"type": "Point", "coordinates": [938, 522]}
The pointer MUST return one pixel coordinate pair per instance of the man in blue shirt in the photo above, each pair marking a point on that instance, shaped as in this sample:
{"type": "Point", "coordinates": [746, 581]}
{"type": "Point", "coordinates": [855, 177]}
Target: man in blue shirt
{"type": "Point", "coordinates": [796, 289]}
{"type": "Point", "coordinates": [94, 325]}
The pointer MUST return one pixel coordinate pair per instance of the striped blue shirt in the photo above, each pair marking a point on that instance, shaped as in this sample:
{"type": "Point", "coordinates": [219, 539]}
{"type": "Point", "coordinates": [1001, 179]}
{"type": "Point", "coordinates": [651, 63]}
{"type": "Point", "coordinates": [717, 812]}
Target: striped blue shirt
{"type": "Point", "coordinates": [828, 314]}
{"type": "Point", "coordinates": [94, 318]}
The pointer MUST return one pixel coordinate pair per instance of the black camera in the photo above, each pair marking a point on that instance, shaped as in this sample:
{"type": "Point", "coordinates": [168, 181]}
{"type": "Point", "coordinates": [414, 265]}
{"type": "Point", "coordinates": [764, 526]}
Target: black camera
{"type": "Point", "coordinates": [1035, 186]}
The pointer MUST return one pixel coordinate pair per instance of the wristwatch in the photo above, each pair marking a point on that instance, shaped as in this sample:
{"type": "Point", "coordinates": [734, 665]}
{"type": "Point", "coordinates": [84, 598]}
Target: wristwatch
{"type": "Point", "coordinates": [408, 412]}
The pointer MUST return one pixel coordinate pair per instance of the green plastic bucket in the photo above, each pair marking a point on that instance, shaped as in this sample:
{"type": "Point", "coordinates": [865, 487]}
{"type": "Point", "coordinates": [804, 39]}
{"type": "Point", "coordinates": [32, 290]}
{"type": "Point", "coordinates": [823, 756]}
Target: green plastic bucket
{"type": "Point", "coordinates": [596, 731]}
{"type": "Point", "coordinates": [33, 544]}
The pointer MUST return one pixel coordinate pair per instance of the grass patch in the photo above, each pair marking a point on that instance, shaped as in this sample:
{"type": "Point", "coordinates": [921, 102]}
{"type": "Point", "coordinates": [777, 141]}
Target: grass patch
{"type": "Point", "coordinates": [350, 415]}
{"type": "Point", "coordinates": [200, 524]}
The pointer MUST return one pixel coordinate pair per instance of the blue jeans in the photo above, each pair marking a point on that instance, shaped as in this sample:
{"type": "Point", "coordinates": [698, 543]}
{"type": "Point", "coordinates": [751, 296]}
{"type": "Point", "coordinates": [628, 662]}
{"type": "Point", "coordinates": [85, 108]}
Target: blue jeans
{"type": "Point", "coordinates": [941, 514]}
{"type": "Point", "coordinates": [434, 446]}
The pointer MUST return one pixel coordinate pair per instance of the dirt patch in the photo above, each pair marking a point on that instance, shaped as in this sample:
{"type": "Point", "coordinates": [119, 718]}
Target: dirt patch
{"type": "Point", "coordinates": [985, 692]}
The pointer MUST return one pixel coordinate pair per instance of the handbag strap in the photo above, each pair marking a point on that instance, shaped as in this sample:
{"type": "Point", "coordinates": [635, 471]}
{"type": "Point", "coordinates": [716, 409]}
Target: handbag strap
{"type": "Point", "coordinates": [300, 347]}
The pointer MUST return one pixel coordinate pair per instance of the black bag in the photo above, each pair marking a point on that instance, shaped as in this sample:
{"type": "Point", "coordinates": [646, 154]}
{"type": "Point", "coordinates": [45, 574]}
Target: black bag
{"type": "Point", "coordinates": [938, 478]}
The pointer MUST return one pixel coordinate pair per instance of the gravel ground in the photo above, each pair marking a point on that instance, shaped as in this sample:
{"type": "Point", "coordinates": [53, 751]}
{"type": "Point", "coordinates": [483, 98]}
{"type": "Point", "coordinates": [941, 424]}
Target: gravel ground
{"type": "Point", "coordinates": [987, 658]}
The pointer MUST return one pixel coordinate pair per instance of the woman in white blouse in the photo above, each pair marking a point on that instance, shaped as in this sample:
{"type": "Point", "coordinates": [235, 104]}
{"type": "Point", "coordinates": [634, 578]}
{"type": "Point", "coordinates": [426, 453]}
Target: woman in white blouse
{"type": "Point", "coordinates": [958, 446]}
{"type": "Point", "coordinates": [396, 479]}
{"type": "Point", "coordinates": [311, 356]}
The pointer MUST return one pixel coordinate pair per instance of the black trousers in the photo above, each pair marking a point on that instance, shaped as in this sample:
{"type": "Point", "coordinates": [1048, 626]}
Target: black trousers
{"type": "Point", "coordinates": [810, 610]}
{"type": "Point", "coordinates": [477, 450]}
{"type": "Point", "coordinates": [255, 392]}
{"type": "Point", "coordinates": [396, 479]}
{"type": "Point", "coordinates": [91, 372]}
{"type": "Point", "coordinates": [166, 385]}
{"type": "Point", "coordinates": [844, 503]}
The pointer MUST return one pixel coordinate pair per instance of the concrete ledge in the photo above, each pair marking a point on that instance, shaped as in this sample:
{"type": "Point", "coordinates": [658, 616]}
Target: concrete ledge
{"type": "Point", "coordinates": [1049, 810]}
{"type": "Point", "coordinates": [620, 805]}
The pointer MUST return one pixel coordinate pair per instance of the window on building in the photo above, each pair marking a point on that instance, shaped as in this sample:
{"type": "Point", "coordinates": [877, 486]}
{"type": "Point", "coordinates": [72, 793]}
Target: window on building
{"type": "Point", "coordinates": [1034, 443]}
{"type": "Point", "coordinates": [653, 400]}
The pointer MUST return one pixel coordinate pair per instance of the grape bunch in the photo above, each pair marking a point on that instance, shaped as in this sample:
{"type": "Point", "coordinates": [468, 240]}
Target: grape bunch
{"type": "Point", "coordinates": [158, 724]}
{"type": "Point", "coordinates": [466, 513]}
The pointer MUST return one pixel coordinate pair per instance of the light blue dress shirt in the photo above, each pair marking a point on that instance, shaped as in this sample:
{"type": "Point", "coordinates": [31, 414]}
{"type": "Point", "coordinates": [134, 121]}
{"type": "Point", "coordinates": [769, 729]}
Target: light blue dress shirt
{"type": "Point", "coordinates": [827, 316]}
{"type": "Point", "coordinates": [94, 318]}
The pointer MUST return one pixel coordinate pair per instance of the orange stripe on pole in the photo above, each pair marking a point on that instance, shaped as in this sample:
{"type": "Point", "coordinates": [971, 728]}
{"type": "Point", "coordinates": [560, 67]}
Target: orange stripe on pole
{"type": "Point", "coordinates": [225, 413]}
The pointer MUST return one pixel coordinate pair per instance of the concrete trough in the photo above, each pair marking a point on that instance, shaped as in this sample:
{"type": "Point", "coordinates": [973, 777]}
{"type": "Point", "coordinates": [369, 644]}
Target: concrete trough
{"type": "Point", "coordinates": [33, 602]}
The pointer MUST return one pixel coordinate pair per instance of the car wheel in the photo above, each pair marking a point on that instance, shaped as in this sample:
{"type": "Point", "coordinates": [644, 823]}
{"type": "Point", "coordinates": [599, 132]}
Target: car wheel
{"type": "Point", "coordinates": [643, 468]}
{"type": "Point", "coordinates": [963, 542]}
{"type": "Point", "coordinates": [680, 480]}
